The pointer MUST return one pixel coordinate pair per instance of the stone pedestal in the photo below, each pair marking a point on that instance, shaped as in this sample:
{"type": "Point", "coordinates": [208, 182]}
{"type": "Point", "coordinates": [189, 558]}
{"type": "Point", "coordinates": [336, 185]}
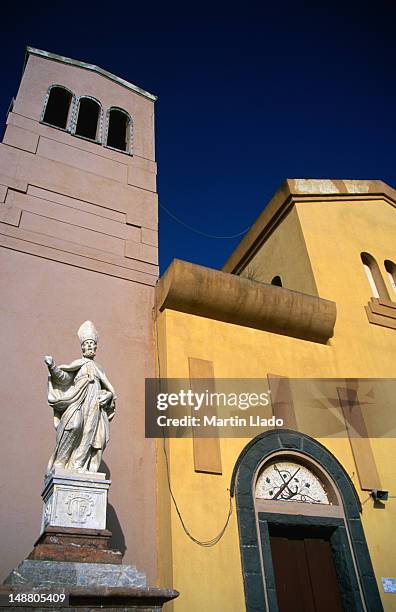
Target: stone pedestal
{"type": "Point", "coordinates": [73, 526]}
{"type": "Point", "coordinates": [89, 586]}
{"type": "Point", "coordinates": [76, 545]}
{"type": "Point", "coordinates": [74, 499]}
{"type": "Point", "coordinates": [72, 556]}
{"type": "Point", "coordinates": [59, 573]}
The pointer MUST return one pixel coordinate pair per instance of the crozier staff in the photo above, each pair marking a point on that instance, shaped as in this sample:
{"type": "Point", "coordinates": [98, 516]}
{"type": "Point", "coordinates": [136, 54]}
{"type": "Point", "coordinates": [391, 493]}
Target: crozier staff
{"type": "Point", "coordinates": [83, 401]}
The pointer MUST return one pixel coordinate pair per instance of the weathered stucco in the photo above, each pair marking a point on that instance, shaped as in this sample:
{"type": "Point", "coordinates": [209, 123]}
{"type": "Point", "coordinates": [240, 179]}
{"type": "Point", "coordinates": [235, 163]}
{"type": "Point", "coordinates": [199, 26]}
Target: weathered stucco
{"type": "Point", "coordinates": [217, 295]}
{"type": "Point", "coordinates": [78, 240]}
{"type": "Point", "coordinates": [336, 228]}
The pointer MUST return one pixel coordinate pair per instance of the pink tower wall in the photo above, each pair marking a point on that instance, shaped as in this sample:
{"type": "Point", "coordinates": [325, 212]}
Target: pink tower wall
{"type": "Point", "coordinates": [78, 240]}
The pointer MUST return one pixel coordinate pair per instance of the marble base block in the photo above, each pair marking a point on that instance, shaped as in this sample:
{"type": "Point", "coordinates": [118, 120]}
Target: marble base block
{"type": "Point", "coordinates": [76, 545]}
{"type": "Point", "coordinates": [90, 587]}
{"type": "Point", "coordinates": [75, 499]}
{"type": "Point", "coordinates": [53, 573]}
{"type": "Point", "coordinates": [72, 553]}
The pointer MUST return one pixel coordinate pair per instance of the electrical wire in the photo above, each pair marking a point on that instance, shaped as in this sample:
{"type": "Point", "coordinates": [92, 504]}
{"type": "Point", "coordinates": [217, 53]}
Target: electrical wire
{"type": "Point", "coordinates": [193, 229]}
{"type": "Point", "coordinates": [217, 538]}
{"type": "Point", "coordinates": [204, 543]}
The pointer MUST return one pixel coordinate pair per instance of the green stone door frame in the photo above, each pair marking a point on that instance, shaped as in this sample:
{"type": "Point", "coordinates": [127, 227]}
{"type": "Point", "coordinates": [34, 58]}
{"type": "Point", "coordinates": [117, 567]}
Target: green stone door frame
{"type": "Point", "coordinates": [347, 539]}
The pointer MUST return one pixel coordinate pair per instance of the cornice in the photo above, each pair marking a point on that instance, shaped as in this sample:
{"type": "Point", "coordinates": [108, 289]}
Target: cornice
{"type": "Point", "coordinates": [214, 294]}
{"type": "Point", "coordinates": [302, 190]}
{"type": "Point", "coordinates": [92, 68]}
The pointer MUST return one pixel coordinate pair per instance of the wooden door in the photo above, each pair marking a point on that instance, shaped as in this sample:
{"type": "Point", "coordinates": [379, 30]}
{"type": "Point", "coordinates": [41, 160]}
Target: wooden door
{"type": "Point", "coordinates": [305, 576]}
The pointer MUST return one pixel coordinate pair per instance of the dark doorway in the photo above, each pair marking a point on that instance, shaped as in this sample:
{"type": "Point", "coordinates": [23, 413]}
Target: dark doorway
{"type": "Point", "coordinates": [304, 570]}
{"type": "Point", "coordinates": [338, 524]}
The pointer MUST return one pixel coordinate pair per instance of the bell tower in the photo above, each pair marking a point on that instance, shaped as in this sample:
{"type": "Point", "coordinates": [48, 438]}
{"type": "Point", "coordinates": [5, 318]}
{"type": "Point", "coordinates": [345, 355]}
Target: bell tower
{"type": "Point", "coordinates": [78, 241]}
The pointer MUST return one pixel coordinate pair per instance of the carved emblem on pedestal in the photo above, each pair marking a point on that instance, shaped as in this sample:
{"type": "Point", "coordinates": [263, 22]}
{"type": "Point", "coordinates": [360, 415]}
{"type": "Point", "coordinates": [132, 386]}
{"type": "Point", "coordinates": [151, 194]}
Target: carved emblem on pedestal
{"type": "Point", "coordinates": [80, 507]}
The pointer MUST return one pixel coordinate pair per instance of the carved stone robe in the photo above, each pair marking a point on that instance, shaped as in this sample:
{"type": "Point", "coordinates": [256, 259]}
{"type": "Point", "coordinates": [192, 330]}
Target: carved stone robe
{"type": "Point", "coordinates": [83, 401]}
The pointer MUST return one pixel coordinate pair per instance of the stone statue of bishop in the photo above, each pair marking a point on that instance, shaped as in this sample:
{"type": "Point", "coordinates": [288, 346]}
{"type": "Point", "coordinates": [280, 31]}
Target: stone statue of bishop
{"type": "Point", "coordinates": [83, 401]}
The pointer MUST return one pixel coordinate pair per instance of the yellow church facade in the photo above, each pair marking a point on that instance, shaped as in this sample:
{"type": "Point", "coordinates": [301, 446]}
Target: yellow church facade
{"type": "Point", "coordinates": [308, 294]}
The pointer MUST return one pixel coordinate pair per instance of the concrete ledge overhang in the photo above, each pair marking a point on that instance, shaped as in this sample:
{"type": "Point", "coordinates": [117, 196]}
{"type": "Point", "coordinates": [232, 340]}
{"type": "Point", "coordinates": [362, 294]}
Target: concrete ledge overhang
{"type": "Point", "coordinates": [302, 190]}
{"type": "Point", "coordinates": [213, 294]}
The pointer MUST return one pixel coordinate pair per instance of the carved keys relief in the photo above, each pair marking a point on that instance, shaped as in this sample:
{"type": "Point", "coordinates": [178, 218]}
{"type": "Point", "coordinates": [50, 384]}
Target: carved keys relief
{"type": "Point", "coordinates": [79, 507]}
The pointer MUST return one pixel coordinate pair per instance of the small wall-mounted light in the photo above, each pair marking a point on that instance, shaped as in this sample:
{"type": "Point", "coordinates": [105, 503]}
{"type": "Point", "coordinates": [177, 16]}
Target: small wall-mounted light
{"type": "Point", "coordinates": [379, 496]}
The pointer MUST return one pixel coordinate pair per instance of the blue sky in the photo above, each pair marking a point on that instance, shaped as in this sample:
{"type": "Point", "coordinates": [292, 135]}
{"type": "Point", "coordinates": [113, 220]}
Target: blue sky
{"type": "Point", "coordinates": [249, 94]}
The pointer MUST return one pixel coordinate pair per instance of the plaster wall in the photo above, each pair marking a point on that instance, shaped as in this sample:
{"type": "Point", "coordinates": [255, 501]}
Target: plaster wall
{"type": "Point", "coordinates": [78, 240]}
{"type": "Point", "coordinates": [212, 579]}
{"type": "Point", "coordinates": [42, 72]}
{"type": "Point", "coordinates": [334, 234]}
{"type": "Point", "coordinates": [284, 254]}
{"type": "Point", "coordinates": [43, 303]}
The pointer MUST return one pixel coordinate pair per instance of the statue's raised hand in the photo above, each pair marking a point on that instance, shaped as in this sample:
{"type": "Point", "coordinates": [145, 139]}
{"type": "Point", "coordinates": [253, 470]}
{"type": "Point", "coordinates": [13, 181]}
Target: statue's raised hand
{"type": "Point", "coordinates": [49, 360]}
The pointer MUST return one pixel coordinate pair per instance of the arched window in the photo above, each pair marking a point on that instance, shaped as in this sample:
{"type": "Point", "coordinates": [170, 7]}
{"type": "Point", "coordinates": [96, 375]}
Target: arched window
{"type": "Point", "coordinates": [88, 118]}
{"type": "Point", "coordinates": [374, 276]}
{"type": "Point", "coordinates": [277, 281]}
{"type": "Point", "coordinates": [302, 485]}
{"type": "Point", "coordinates": [119, 130]}
{"type": "Point", "coordinates": [57, 106]}
{"type": "Point", "coordinates": [390, 267]}
{"type": "Point", "coordinates": [302, 542]}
